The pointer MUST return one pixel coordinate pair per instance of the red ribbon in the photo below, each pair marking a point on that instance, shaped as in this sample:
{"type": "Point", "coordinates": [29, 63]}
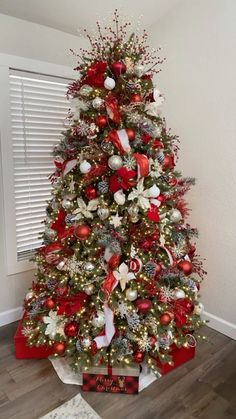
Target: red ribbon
{"type": "Point", "coordinates": [108, 283]}
{"type": "Point", "coordinates": [143, 164]}
{"type": "Point", "coordinates": [113, 137]}
{"type": "Point", "coordinates": [112, 109]}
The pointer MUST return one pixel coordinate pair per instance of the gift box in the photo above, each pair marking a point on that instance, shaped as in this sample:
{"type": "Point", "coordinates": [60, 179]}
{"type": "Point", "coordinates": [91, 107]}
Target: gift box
{"type": "Point", "coordinates": [179, 357]}
{"type": "Point", "coordinates": [23, 351]}
{"type": "Point", "coordinates": [112, 379]}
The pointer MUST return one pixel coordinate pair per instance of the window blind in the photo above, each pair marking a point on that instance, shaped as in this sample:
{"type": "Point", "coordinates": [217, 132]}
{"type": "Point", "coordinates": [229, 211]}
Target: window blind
{"type": "Point", "coordinates": [38, 110]}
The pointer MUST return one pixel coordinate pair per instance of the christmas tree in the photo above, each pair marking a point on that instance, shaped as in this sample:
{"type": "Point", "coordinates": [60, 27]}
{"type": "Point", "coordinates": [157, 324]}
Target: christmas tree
{"type": "Point", "coordinates": [117, 276]}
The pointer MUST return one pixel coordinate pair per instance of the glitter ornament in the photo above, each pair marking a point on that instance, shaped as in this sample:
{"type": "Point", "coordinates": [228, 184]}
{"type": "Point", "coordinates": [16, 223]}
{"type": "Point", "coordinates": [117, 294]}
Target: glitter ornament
{"type": "Point", "coordinates": [131, 294]}
{"type": "Point", "coordinates": [67, 204]}
{"type": "Point", "coordinates": [86, 342]}
{"type": "Point", "coordinates": [101, 121]}
{"type": "Point", "coordinates": [115, 162]}
{"type": "Point", "coordinates": [88, 268]}
{"type": "Point", "coordinates": [97, 103]}
{"type": "Point", "coordinates": [175, 215]}
{"type": "Point", "coordinates": [49, 303]}
{"type": "Point", "coordinates": [85, 90]}
{"type": "Point", "coordinates": [143, 305]}
{"type": "Point", "coordinates": [138, 357]}
{"type": "Point", "coordinates": [133, 210]}
{"type": "Point", "coordinates": [85, 166]}
{"type": "Point", "coordinates": [71, 329]}
{"type": "Point", "coordinates": [109, 83]}
{"type": "Point", "coordinates": [107, 147]}
{"type": "Point", "coordinates": [135, 98]}
{"type": "Point", "coordinates": [165, 319]}
{"type": "Point", "coordinates": [90, 192]}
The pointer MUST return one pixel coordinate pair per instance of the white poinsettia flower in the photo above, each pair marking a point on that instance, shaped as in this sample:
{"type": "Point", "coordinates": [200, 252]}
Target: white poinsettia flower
{"type": "Point", "coordinates": [141, 194]}
{"type": "Point", "coordinates": [123, 275]}
{"type": "Point", "coordinates": [78, 105]}
{"type": "Point", "coordinates": [55, 324]}
{"type": "Point", "coordinates": [85, 211]}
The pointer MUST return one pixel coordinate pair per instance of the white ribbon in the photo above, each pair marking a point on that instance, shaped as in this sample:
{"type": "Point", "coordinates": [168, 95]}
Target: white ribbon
{"type": "Point", "coordinates": [105, 340]}
{"type": "Point", "coordinates": [69, 166]}
{"type": "Point", "coordinates": [124, 139]}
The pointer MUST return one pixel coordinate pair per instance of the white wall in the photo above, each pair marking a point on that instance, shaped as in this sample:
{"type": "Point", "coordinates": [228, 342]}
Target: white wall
{"type": "Point", "coordinates": [198, 79]}
{"type": "Point", "coordinates": [29, 40]}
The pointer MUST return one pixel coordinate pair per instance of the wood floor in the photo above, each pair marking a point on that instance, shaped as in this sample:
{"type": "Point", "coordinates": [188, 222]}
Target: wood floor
{"type": "Point", "coordinates": [203, 388]}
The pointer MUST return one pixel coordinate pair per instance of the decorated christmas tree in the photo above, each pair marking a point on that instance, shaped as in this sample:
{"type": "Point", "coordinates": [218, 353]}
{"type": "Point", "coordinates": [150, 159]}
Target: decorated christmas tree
{"type": "Point", "coordinates": [117, 276]}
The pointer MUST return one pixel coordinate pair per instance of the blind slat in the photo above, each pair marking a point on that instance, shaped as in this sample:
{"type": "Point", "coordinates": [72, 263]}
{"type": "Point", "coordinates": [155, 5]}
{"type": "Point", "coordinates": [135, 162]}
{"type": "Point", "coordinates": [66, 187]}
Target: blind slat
{"type": "Point", "coordinates": [38, 116]}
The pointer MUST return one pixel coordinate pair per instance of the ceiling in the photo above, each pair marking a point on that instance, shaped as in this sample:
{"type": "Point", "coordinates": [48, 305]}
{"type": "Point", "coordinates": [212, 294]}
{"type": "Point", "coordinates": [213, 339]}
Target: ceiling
{"type": "Point", "coordinates": [73, 15]}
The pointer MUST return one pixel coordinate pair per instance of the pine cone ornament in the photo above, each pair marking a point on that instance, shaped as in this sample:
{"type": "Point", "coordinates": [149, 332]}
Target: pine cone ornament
{"type": "Point", "coordinates": [150, 269]}
{"type": "Point", "coordinates": [103, 186]}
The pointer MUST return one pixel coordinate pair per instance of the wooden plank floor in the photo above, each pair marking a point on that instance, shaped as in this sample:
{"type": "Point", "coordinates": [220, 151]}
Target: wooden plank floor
{"type": "Point", "coordinates": [203, 388]}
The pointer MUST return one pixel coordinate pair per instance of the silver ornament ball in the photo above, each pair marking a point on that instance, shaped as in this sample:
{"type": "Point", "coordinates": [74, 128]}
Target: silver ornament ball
{"type": "Point", "coordinates": [85, 90]}
{"type": "Point", "coordinates": [175, 215]}
{"type": "Point", "coordinates": [103, 213]}
{"type": "Point", "coordinates": [115, 162]}
{"type": "Point", "coordinates": [133, 210]}
{"type": "Point", "coordinates": [85, 166]}
{"type": "Point", "coordinates": [29, 295]}
{"type": "Point", "coordinates": [109, 83]}
{"type": "Point", "coordinates": [86, 342]}
{"type": "Point", "coordinates": [139, 70]}
{"type": "Point", "coordinates": [67, 204]}
{"type": "Point", "coordinates": [131, 294]}
{"type": "Point", "coordinates": [99, 319]}
{"type": "Point", "coordinates": [88, 268]}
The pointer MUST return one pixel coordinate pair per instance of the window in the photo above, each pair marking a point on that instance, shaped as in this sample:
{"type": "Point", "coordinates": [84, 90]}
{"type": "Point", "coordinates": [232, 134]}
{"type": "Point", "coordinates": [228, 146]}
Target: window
{"type": "Point", "coordinates": [38, 110]}
{"type": "Point", "coordinates": [33, 110]}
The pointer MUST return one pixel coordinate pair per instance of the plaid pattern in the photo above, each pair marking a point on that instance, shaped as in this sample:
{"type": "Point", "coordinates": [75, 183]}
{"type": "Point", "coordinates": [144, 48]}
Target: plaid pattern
{"type": "Point", "coordinates": [110, 383]}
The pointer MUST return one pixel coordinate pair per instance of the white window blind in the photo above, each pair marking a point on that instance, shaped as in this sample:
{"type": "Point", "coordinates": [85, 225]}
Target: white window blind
{"type": "Point", "coordinates": [38, 110]}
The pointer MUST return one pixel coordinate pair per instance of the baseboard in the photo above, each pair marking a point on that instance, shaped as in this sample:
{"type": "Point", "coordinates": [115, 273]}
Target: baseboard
{"type": "Point", "coordinates": [10, 316]}
{"type": "Point", "coordinates": [221, 325]}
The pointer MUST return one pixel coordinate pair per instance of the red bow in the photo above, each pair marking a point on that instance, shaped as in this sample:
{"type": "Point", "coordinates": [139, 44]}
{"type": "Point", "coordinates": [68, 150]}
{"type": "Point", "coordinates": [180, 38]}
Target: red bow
{"type": "Point", "coordinates": [122, 179]}
{"type": "Point", "coordinates": [95, 74]}
{"type": "Point", "coordinates": [70, 305]}
{"type": "Point", "coordinates": [182, 307]}
{"type": "Point", "coordinates": [59, 223]}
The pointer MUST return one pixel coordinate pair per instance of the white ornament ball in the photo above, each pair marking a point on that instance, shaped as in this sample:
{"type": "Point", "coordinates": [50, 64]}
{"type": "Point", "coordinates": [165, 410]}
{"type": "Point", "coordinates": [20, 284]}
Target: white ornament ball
{"type": "Point", "coordinates": [131, 294]}
{"type": "Point", "coordinates": [109, 83]}
{"type": "Point", "coordinates": [99, 319]}
{"type": "Point", "coordinates": [139, 70]}
{"type": "Point", "coordinates": [178, 293]}
{"type": "Point", "coordinates": [154, 191]}
{"type": "Point", "coordinates": [198, 309]}
{"type": "Point", "coordinates": [29, 295]}
{"type": "Point", "coordinates": [103, 213]}
{"type": "Point", "coordinates": [89, 289]}
{"type": "Point", "coordinates": [97, 102]}
{"type": "Point", "coordinates": [86, 342]}
{"type": "Point", "coordinates": [85, 166]}
{"type": "Point", "coordinates": [119, 197]}
{"type": "Point", "coordinates": [175, 215]}
{"type": "Point", "coordinates": [115, 162]}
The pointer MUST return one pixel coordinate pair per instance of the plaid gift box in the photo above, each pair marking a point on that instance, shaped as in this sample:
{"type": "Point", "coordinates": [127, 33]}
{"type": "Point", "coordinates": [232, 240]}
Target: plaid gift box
{"type": "Point", "coordinates": [23, 351]}
{"type": "Point", "coordinates": [111, 380]}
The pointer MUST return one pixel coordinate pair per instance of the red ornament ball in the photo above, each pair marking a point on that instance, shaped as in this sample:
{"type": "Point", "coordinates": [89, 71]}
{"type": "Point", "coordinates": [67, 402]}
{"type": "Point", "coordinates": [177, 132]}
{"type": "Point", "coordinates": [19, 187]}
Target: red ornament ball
{"type": "Point", "coordinates": [161, 198]}
{"type": "Point", "coordinates": [158, 269]}
{"type": "Point", "coordinates": [143, 305]}
{"type": "Point", "coordinates": [135, 98]}
{"type": "Point", "coordinates": [118, 68]}
{"type": "Point", "coordinates": [173, 182]}
{"type": "Point", "coordinates": [71, 329]}
{"type": "Point", "coordinates": [165, 319]}
{"type": "Point", "coordinates": [101, 121]}
{"type": "Point", "coordinates": [168, 162]}
{"type": "Point", "coordinates": [131, 134]}
{"type": "Point", "coordinates": [90, 192]}
{"type": "Point", "coordinates": [59, 348]}
{"type": "Point", "coordinates": [82, 232]}
{"type": "Point", "coordinates": [186, 267]}
{"type": "Point", "coordinates": [138, 356]}
{"type": "Point", "coordinates": [49, 303]}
